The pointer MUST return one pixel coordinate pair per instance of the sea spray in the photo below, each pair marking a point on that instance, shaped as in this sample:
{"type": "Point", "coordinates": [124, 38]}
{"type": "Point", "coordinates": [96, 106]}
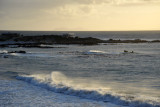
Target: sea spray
{"type": "Point", "coordinates": [58, 82]}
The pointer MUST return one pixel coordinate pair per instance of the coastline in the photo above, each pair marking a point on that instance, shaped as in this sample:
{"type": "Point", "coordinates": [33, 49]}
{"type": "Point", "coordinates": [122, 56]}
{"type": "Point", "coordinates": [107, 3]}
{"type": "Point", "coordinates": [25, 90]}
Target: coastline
{"type": "Point", "coordinates": [37, 41]}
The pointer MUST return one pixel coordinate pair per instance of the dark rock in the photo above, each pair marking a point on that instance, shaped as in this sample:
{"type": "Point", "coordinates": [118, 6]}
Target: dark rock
{"type": "Point", "coordinates": [36, 41]}
{"type": "Point", "coordinates": [125, 51]}
{"type": "Point", "coordinates": [23, 52]}
{"type": "Point", "coordinates": [155, 41]}
{"type": "Point", "coordinates": [3, 46]}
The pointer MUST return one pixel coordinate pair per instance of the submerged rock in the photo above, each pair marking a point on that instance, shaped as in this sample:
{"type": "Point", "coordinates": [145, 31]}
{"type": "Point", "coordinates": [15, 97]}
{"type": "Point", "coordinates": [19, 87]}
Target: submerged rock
{"type": "Point", "coordinates": [5, 56]}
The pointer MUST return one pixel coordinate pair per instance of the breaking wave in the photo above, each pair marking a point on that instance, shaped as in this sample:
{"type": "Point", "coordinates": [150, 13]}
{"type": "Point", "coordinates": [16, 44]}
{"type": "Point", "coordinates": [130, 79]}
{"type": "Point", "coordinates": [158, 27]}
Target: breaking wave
{"type": "Point", "coordinates": [3, 51]}
{"type": "Point", "coordinates": [94, 52]}
{"type": "Point", "coordinates": [31, 55]}
{"type": "Point", "coordinates": [104, 52]}
{"type": "Point", "coordinates": [59, 83]}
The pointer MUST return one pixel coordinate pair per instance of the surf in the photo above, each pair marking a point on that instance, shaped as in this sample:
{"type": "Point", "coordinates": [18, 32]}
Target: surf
{"type": "Point", "coordinates": [59, 83]}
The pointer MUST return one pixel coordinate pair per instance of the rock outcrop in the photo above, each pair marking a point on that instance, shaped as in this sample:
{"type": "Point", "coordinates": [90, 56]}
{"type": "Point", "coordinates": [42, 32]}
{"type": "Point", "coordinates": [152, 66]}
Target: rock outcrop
{"type": "Point", "coordinates": [36, 41]}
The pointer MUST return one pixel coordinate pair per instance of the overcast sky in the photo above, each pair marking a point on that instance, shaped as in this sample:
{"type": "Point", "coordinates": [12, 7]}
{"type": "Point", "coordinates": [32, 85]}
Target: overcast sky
{"type": "Point", "coordinates": [80, 15]}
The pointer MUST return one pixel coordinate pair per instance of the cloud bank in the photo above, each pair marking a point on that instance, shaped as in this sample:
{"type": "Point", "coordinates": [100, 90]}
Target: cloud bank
{"type": "Point", "coordinates": [36, 13]}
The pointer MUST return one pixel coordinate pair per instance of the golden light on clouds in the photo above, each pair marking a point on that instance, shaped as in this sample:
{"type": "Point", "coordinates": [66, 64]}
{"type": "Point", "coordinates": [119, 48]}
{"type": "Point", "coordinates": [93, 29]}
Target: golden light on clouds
{"type": "Point", "coordinates": [80, 15]}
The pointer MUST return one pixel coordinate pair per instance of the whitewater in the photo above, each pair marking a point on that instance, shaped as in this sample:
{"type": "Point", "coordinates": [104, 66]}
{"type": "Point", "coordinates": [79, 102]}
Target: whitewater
{"type": "Point", "coordinates": [101, 75]}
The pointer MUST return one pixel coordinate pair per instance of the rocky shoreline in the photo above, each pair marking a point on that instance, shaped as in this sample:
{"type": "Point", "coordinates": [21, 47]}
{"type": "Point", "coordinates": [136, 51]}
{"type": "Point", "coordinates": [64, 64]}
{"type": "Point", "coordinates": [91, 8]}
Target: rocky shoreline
{"type": "Point", "coordinates": [9, 39]}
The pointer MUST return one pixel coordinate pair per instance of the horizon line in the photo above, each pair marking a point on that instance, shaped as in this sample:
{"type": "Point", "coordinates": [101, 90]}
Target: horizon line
{"type": "Point", "coordinates": [81, 30]}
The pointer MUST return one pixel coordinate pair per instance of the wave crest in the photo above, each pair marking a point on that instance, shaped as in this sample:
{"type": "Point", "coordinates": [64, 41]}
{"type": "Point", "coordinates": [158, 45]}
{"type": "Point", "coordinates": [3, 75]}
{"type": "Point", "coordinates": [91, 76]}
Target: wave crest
{"type": "Point", "coordinates": [58, 82]}
{"type": "Point", "coordinates": [3, 51]}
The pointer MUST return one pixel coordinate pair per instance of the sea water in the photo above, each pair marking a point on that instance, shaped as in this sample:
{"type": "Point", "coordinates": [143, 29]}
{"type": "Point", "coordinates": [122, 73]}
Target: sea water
{"type": "Point", "coordinates": [76, 75]}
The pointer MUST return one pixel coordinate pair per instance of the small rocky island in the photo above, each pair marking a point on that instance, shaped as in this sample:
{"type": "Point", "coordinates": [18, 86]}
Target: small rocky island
{"type": "Point", "coordinates": [36, 41]}
{"type": "Point", "coordinates": [7, 39]}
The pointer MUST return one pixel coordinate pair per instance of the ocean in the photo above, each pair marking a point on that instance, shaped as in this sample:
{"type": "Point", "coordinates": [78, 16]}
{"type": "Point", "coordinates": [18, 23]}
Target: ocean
{"type": "Point", "coordinates": [100, 75]}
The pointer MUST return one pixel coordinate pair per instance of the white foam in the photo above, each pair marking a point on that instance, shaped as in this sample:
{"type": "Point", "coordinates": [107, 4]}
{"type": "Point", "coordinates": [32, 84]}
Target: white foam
{"type": "Point", "coordinates": [97, 51]}
{"type": "Point", "coordinates": [31, 54]}
{"type": "Point", "coordinates": [103, 52]}
{"type": "Point", "coordinates": [57, 82]}
{"type": "Point", "coordinates": [17, 93]}
{"type": "Point", "coordinates": [3, 51]}
{"type": "Point", "coordinates": [94, 52]}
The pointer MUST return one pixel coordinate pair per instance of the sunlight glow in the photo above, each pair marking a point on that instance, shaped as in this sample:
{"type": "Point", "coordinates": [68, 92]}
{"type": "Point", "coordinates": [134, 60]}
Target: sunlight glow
{"type": "Point", "coordinates": [79, 15]}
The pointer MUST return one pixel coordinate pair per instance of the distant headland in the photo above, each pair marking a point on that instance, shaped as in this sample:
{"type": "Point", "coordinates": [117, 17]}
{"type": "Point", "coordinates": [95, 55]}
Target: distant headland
{"type": "Point", "coordinates": [7, 39]}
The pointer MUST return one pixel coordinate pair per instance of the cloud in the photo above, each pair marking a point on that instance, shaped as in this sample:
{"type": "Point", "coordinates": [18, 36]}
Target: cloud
{"type": "Point", "coordinates": [36, 5]}
{"type": "Point", "coordinates": [62, 13]}
{"type": "Point", "coordinates": [26, 8]}
{"type": "Point", "coordinates": [135, 2]}
{"type": "Point", "coordinates": [34, 8]}
{"type": "Point", "coordinates": [57, 3]}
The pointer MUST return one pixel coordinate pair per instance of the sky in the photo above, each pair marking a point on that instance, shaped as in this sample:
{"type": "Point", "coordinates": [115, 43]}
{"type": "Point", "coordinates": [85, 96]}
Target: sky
{"type": "Point", "coordinates": [80, 15]}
